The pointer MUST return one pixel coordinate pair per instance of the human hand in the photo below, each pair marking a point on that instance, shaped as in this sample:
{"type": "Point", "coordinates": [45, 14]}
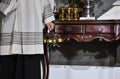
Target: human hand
{"type": "Point", "coordinates": [50, 26]}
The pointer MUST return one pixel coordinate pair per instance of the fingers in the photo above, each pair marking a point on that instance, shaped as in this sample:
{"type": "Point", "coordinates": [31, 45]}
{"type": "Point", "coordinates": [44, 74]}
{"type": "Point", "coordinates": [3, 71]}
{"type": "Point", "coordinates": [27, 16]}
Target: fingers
{"type": "Point", "coordinates": [50, 26]}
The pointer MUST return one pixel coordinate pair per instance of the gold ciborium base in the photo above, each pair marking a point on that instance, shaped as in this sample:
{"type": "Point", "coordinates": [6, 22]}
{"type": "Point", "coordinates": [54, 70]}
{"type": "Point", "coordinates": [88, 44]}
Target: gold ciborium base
{"type": "Point", "coordinates": [75, 19]}
{"type": "Point", "coordinates": [62, 19]}
{"type": "Point", "coordinates": [68, 19]}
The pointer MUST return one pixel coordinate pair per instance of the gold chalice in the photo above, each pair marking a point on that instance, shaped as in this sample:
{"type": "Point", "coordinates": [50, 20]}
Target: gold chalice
{"type": "Point", "coordinates": [69, 13]}
{"type": "Point", "coordinates": [62, 13]}
{"type": "Point", "coordinates": [76, 11]}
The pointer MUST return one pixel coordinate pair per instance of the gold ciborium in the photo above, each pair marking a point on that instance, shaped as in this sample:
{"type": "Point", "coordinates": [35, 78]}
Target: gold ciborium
{"type": "Point", "coordinates": [76, 11]}
{"type": "Point", "coordinates": [69, 13]}
{"type": "Point", "coordinates": [62, 13]}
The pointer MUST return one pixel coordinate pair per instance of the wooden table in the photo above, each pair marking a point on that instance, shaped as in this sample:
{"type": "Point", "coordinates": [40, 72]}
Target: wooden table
{"type": "Point", "coordinates": [88, 30]}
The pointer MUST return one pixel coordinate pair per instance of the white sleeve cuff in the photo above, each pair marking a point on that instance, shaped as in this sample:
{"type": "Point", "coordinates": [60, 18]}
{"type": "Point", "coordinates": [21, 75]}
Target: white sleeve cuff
{"type": "Point", "coordinates": [47, 20]}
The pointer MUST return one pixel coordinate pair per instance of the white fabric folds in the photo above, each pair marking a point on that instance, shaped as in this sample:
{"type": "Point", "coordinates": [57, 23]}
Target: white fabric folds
{"type": "Point", "coordinates": [22, 26]}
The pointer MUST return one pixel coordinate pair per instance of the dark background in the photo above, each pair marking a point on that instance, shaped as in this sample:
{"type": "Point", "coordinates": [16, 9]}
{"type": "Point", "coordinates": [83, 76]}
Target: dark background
{"type": "Point", "coordinates": [94, 53]}
{"type": "Point", "coordinates": [98, 7]}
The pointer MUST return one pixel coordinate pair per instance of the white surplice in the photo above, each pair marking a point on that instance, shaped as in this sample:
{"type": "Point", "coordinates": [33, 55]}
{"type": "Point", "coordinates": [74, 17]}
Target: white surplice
{"type": "Point", "coordinates": [22, 26]}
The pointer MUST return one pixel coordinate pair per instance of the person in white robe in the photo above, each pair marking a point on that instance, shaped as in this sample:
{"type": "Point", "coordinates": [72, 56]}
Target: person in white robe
{"type": "Point", "coordinates": [21, 36]}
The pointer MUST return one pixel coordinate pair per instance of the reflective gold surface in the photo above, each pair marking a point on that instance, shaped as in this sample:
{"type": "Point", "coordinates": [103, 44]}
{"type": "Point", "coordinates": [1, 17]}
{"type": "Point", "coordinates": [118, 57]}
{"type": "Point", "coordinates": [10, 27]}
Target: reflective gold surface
{"type": "Point", "coordinates": [69, 13]}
